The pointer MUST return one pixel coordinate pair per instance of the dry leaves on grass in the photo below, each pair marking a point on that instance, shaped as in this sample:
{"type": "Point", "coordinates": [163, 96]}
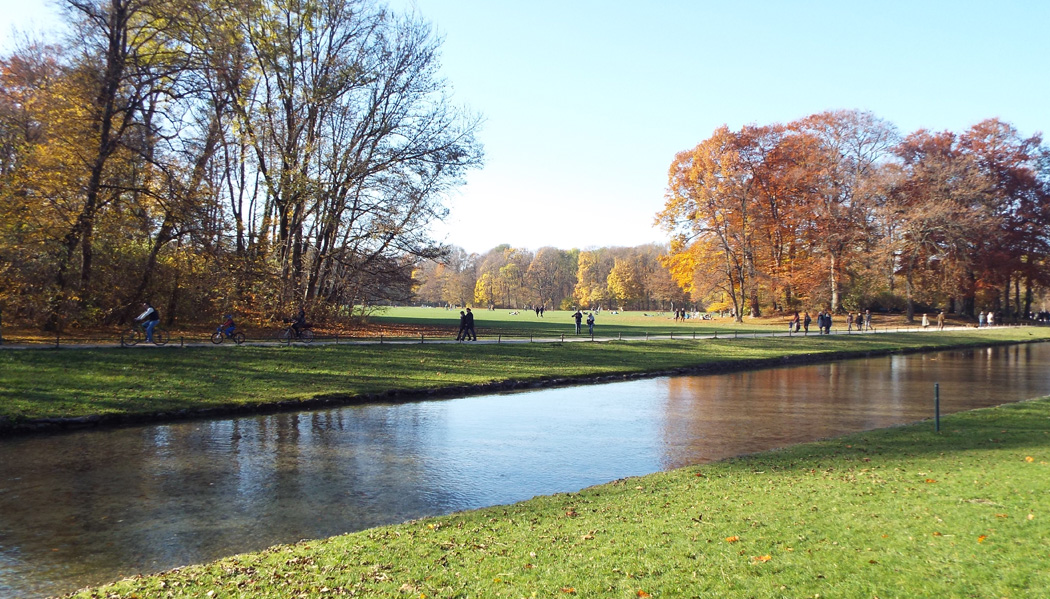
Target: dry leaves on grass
{"type": "Point", "coordinates": [761, 558]}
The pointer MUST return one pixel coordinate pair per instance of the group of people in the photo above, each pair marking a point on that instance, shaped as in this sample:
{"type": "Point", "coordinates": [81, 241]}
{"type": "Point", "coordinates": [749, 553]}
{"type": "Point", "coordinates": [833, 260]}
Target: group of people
{"type": "Point", "coordinates": [578, 317]}
{"type": "Point", "coordinates": [986, 319]}
{"type": "Point", "coordinates": [926, 320]}
{"type": "Point", "coordinates": [466, 326]}
{"type": "Point", "coordinates": [801, 321]}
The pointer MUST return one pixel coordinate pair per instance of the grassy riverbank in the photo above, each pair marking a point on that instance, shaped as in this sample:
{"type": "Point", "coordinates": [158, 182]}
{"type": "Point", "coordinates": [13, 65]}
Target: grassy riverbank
{"type": "Point", "coordinates": [901, 512]}
{"type": "Point", "coordinates": [47, 384]}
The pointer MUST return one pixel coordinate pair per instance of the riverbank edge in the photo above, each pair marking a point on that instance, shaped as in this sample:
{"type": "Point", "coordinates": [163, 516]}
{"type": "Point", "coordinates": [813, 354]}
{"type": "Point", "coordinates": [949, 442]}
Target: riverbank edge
{"type": "Point", "coordinates": [41, 426]}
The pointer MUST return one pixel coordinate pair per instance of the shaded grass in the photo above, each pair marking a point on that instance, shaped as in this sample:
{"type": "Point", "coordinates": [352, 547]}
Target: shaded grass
{"type": "Point", "coordinates": [77, 383]}
{"type": "Point", "coordinates": [900, 512]}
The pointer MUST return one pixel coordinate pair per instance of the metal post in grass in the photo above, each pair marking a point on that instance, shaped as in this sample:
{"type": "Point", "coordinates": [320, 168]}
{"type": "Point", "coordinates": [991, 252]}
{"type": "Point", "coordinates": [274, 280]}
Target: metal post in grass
{"type": "Point", "coordinates": [421, 338]}
{"type": "Point", "coordinates": [499, 338]}
{"type": "Point", "coordinates": [380, 340]}
{"type": "Point", "coordinates": [647, 335]}
{"type": "Point", "coordinates": [937, 407]}
{"type": "Point", "coordinates": [58, 339]}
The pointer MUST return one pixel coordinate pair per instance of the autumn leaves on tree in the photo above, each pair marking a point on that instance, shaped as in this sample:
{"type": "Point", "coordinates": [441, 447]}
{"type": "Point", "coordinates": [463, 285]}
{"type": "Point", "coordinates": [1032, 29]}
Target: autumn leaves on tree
{"type": "Point", "coordinates": [217, 153]}
{"type": "Point", "coordinates": [836, 211]}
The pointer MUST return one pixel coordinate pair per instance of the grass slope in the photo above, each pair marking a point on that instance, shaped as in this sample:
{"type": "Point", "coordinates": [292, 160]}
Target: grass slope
{"type": "Point", "coordinates": [42, 384]}
{"type": "Point", "coordinates": [902, 512]}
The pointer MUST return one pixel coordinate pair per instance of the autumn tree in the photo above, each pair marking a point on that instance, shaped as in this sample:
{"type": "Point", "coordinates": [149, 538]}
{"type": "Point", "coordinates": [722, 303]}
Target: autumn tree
{"type": "Point", "coordinates": [710, 207]}
{"type": "Point", "coordinates": [1017, 206]}
{"type": "Point", "coordinates": [551, 276]}
{"type": "Point", "coordinates": [936, 211]}
{"type": "Point", "coordinates": [839, 225]}
{"type": "Point", "coordinates": [352, 133]}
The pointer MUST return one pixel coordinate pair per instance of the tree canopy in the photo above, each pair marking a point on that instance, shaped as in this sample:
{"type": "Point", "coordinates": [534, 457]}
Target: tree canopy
{"type": "Point", "coordinates": [837, 211]}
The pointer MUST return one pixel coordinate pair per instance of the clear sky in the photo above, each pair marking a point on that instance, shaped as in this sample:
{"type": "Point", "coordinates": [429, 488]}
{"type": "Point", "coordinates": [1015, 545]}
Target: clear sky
{"type": "Point", "coordinates": [587, 102]}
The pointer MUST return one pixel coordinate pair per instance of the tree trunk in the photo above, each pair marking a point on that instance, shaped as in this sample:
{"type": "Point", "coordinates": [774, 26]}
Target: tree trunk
{"type": "Point", "coordinates": [834, 284]}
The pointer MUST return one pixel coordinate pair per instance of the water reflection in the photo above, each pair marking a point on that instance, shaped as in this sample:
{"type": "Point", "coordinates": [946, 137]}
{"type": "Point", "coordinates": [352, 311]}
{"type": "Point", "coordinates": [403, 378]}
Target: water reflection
{"type": "Point", "coordinates": [90, 507]}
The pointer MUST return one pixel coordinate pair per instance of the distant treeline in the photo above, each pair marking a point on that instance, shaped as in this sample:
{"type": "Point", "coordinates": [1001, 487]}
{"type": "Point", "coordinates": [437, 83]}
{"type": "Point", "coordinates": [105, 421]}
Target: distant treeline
{"type": "Point", "coordinates": [507, 277]}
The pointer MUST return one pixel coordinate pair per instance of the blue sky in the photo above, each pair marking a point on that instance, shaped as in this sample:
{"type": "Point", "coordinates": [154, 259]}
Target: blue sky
{"type": "Point", "coordinates": [586, 102]}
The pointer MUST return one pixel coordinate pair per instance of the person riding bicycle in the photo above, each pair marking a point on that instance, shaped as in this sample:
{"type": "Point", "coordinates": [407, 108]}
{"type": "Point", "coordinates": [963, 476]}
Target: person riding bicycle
{"type": "Point", "coordinates": [149, 319]}
{"type": "Point", "coordinates": [228, 326]}
{"type": "Point", "coordinates": [299, 322]}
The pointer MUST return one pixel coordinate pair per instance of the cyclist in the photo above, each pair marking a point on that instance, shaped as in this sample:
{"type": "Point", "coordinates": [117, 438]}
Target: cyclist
{"type": "Point", "coordinates": [149, 319]}
{"type": "Point", "coordinates": [299, 322]}
{"type": "Point", "coordinates": [228, 326]}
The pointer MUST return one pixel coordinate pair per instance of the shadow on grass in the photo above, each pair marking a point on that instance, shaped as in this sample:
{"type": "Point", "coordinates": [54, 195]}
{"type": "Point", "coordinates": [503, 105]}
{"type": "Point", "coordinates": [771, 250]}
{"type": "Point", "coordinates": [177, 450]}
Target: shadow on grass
{"type": "Point", "coordinates": [1022, 427]}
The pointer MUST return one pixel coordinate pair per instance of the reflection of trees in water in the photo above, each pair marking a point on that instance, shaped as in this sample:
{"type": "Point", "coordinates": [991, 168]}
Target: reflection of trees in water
{"type": "Point", "coordinates": [718, 416]}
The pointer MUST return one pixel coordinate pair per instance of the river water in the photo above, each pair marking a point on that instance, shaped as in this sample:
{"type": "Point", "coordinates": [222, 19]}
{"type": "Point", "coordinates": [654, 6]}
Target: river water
{"type": "Point", "coordinates": [91, 507]}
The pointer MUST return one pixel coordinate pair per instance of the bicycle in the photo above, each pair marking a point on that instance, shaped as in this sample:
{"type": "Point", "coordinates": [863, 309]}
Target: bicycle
{"type": "Point", "coordinates": [289, 334]}
{"type": "Point", "coordinates": [137, 334]}
{"type": "Point", "coordinates": [218, 337]}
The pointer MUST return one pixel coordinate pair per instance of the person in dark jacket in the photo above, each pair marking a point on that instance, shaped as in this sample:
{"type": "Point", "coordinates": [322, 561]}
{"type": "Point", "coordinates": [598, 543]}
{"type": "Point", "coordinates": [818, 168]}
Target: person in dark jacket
{"type": "Point", "coordinates": [469, 333]}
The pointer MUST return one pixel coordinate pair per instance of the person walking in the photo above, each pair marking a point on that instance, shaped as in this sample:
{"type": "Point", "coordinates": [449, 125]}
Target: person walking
{"type": "Point", "coordinates": [469, 332]}
{"type": "Point", "coordinates": [590, 323]}
{"type": "Point", "coordinates": [867, 319]}
{"type": "Point", "coordinates": [578, 316]}
{"type": "Point", "coordinates": [940, 320]}
{"type": "Point", "coordinates": [805, 322]}
{"type": "Point", "coordinates": [925, 321]}
{"type": "Point", "coordinates": [849, 322]}
{"type": "Point", "coordinates": [462, 325]}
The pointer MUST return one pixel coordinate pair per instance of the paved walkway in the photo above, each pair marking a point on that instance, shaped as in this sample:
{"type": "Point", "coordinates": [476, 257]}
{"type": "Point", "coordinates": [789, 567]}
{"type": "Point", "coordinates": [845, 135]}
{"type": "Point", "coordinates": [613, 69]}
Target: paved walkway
{"type": "Point", "coordinates": [74, 343]}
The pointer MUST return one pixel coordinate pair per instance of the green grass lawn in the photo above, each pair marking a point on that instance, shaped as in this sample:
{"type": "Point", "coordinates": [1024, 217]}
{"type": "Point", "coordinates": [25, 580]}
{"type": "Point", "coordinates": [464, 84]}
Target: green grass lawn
{"type": "Point", "coordinates": [138, 381]}
{"type": "Point", "coordinates": [896, 513]}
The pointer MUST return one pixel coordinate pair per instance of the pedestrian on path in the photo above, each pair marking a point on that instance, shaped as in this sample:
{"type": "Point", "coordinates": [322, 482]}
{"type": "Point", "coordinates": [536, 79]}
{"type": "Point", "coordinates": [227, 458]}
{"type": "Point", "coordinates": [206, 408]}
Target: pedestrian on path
{"type": "Point", "coordinates": [469, 334]}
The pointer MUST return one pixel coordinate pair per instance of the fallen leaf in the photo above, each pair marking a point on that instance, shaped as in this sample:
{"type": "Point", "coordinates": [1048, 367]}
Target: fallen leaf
{"type": "Point", "coordinates": [981, 538]}
{"type": "Point", "coordinates": [1001, 516]}
{"type": "Point", "coordinates": [642, 593]}
{"type": "Point", "coordinates": [937, 534]}
{"type": "Point", "coordinates": [733, 539]}
{"type": "Point", "coordinates": [568, 590]}
{"type": "Point", "coordinates": [1029, 459]}
{"type": "Point", "coordinates": [930, 480]}
{"type": "Point", "coordinates": [761, 558]}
